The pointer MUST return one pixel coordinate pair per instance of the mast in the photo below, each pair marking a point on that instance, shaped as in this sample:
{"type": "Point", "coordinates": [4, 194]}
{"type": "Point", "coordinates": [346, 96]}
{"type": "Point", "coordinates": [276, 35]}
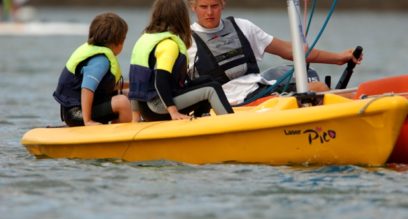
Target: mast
{"type": "Point", "coordinates": [297, 46]}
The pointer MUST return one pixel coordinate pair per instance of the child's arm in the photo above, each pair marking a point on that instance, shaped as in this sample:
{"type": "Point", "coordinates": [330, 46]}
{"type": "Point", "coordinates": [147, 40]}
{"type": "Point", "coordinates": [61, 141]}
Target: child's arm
{"type": "Point", "coordinates": [86, 104]}
{"type": "Point", "coordinates": [93, 73]}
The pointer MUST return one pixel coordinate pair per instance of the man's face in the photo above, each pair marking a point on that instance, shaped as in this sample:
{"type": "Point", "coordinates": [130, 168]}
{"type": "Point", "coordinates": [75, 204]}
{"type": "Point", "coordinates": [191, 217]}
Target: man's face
{"type": "Point", "coordinates": [208, 12]}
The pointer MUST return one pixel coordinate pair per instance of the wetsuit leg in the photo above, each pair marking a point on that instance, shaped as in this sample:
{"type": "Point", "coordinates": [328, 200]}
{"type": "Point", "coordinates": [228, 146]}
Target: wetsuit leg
{"type": "Point", "coordinates": [100, 113]}
{"type": "Point", "coordinates": [211, 92]}
{"type": "Point", "coordinates": [195, 98]}
{"type": "Point", "coordinates": [149, 115]}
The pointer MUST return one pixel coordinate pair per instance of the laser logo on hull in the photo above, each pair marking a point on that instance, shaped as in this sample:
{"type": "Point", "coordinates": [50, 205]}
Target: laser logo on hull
{"type": "Point", "coordinates": [316, 135]}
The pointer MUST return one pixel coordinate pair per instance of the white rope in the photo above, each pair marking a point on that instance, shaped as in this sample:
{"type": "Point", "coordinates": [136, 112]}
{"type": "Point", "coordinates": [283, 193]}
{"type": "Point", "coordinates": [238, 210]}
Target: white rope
{"type": "Point", "coordinates": [377, 97]}
{"type": "Point", "coordinates": [362, 110]}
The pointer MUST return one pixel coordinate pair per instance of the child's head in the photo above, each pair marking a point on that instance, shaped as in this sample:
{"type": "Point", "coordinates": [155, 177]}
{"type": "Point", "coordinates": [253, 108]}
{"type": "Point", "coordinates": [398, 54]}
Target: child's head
{"type": "Point", "coordinates": [173, 16]}
{"type": "Point", "coordinates": [107, 29]}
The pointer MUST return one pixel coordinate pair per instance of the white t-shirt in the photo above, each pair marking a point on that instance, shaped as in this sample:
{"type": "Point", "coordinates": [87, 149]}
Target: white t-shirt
{"type": "Point", "coordinates": [258, 38]}
{"type": "Point", "coordinates": [237, 89]}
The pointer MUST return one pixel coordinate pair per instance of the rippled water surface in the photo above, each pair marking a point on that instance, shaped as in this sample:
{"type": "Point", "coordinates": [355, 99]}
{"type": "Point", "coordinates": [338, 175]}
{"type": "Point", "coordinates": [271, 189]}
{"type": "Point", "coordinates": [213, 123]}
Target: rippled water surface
{"type": "Point", "coordinates": [48, 188]}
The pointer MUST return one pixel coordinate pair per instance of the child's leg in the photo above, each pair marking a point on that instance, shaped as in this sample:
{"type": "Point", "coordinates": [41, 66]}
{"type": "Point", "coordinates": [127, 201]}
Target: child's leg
{"type": "Point", "coordinates": [211, 92]}
{"type": "Point", "coordinates": [121, 106]}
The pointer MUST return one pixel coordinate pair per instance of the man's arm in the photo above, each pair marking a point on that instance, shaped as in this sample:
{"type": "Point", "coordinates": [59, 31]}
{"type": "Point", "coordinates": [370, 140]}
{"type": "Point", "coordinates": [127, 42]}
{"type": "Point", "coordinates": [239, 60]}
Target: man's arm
{"type": "Point", "coordinates": [283, 49]}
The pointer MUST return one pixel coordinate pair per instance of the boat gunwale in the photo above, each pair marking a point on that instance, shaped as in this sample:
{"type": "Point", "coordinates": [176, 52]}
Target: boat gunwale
{"type": "Point", "coordinates": [229, 124]}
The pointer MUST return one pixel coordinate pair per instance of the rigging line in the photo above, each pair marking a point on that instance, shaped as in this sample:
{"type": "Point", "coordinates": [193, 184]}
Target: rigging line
{"type": "Point", "coordinates": [333, 6]}
{"type": "Point", "coordinates": [287, 76]}
{"type": "Point", "coordinates": [364, 108]}
{"type": "Point", "coordinates": [304, 15]}
{"type": "Point", "coordinates": [364, 96]}
{"type": "Point", "coordinates": [309, 23]}
{"type": "Point", "coordinates": [311, 16]}
{"type": "Point", "coordinates": [289, 73]}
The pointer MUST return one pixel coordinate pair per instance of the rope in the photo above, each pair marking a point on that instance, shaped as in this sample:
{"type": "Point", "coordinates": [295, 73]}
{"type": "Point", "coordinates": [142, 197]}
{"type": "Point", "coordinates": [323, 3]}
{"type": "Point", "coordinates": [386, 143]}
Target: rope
{"type": "Point", "coordinates": [364, 96]}
{"type": "Point", "coordinates": [376, 97]}
{"type": "Point", "coordinates": [289, 74]}
{"type": "Point", "coordinates": [362, 110]}
{"type": "Point", "coordinates": [311, 16]}
{"type": "Point", "coordinates": [304, 15]}
{"type": "Point", "coordinates": [331, 11]}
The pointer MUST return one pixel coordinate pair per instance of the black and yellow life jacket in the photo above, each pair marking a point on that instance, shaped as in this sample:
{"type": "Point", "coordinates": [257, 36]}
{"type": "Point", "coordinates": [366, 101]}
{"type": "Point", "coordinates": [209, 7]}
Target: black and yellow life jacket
{"type": "Point", "coordinates": [142, 65]}
{"type": "Point", "coordinates": [68, 92]}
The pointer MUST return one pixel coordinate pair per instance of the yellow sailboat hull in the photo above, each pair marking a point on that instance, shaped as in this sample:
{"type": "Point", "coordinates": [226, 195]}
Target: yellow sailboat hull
{"type": "Point", "coordinates": [277, 132]}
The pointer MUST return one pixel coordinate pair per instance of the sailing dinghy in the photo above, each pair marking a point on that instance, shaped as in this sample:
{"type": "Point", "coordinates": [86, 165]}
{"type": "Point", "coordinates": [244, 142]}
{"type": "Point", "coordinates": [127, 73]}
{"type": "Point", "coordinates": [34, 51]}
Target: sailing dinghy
{"type": "Point", "coordinates": [277, 132]}
{"type": "Point", "coordinates": [303, 129]}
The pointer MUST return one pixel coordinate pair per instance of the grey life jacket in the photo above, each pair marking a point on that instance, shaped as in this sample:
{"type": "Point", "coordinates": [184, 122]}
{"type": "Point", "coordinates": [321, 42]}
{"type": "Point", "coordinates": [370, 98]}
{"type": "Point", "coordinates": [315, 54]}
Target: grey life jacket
{"type": "Point", "coordinates": [224, 55]}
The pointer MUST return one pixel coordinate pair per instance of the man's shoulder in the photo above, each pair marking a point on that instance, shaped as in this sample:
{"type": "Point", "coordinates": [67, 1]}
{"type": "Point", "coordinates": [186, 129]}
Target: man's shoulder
{"type": "Point", "coordinates": [243, 22]}
{"type": "Point", "coordinates": [195, 26]}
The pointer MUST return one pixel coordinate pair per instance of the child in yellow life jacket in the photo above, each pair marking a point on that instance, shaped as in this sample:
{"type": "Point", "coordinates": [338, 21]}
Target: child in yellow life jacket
{"type": "Point", "coordinates": [88, 85]}
{"type": "Point", "coordinates": [158, 70]}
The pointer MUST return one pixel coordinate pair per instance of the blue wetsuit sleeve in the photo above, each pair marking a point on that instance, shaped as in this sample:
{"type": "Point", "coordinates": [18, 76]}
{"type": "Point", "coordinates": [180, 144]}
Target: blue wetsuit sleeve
{"type": "Point", "coordinates": [94, 71]}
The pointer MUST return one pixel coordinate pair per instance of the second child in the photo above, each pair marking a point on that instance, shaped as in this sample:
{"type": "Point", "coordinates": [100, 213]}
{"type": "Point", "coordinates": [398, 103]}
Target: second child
{"type": "Point", "coordinates": [158, 70]}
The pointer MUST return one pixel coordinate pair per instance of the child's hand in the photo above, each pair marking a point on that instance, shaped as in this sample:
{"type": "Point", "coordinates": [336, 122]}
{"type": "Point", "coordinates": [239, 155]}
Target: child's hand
{"type": "Point", "coordinates": [175, 114]}
{"type": "Point", "coordinates": [91, 122]}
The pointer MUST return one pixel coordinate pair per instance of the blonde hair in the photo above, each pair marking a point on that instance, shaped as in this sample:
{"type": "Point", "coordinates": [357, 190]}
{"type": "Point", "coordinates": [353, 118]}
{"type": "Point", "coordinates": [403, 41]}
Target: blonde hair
{"type": "Point", "coordinates": [193, 2]}
{"type": "Point", "coordinates": [172, 16]}
{"type": "Point", "coordinates": [107, 28]}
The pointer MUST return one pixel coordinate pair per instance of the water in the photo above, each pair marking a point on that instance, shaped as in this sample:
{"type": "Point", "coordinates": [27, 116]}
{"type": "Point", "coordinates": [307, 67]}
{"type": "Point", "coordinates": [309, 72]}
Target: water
{"type": "Point", "coordinates": [47, 188]}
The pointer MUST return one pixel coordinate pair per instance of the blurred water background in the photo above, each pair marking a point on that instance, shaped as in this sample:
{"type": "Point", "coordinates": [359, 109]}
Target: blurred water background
{"type": "Point", "coordinates": [47, 188]}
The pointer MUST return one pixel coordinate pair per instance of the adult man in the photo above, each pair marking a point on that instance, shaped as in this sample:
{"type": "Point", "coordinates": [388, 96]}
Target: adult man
{"type": "Point", "coordinates": [228, 49]}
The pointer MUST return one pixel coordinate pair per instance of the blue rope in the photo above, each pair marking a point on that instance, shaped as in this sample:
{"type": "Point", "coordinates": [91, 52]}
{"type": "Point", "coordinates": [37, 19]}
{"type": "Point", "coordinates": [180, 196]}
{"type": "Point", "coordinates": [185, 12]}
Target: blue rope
{"type": "Point", "coordinates": [311, 16]}
{"type": "Point", "coordinates": [333, 6]}
{"type": "Point", "coordinates": [289, 74]}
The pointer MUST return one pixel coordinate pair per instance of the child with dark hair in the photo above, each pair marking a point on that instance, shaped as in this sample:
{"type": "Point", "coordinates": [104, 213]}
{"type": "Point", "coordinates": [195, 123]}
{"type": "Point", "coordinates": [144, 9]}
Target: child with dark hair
{"type": "Point", "coordinates": [88, 85]}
